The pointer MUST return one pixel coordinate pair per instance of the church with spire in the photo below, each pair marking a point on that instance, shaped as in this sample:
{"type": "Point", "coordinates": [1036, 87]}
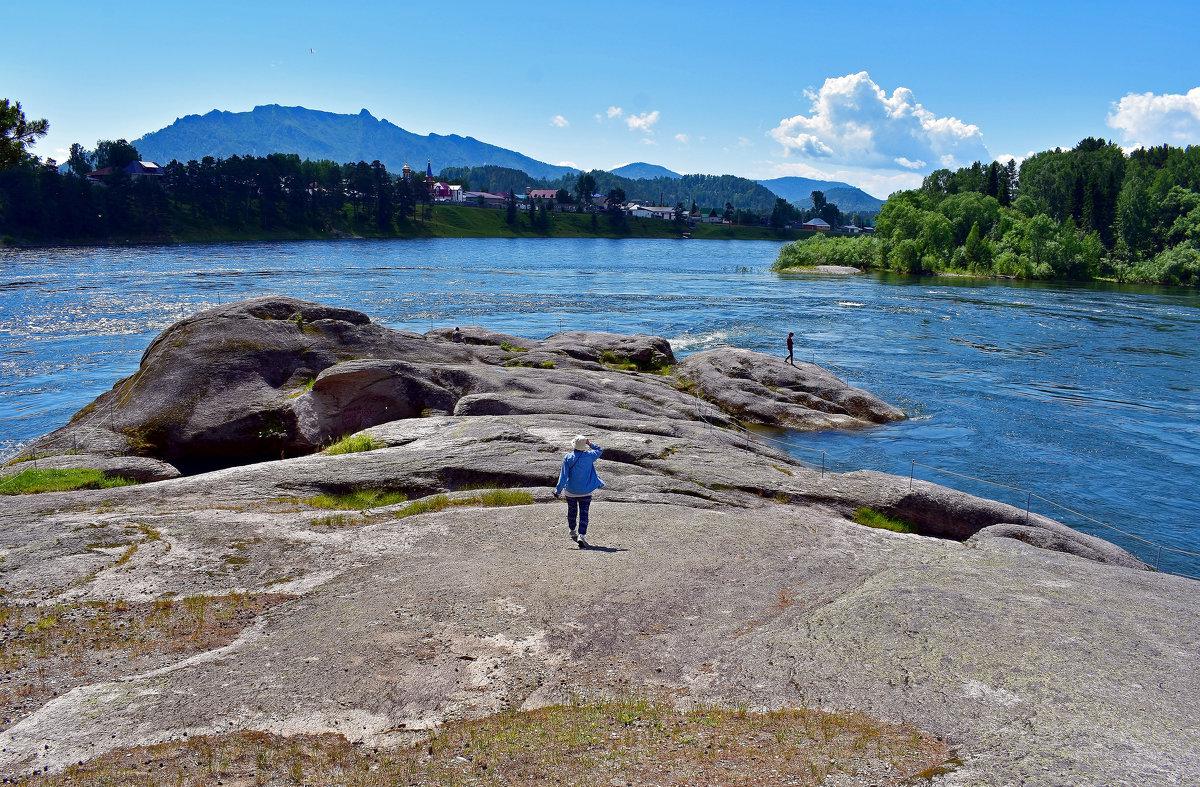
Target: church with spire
{"type": "Point", "coordinates": [438, 191]}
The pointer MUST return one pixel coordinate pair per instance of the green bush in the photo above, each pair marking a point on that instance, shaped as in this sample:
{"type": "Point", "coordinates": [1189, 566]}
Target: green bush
{"type": "Point", "coordinates": [1179, 265]}
{"type": "Point", "coordinates": [856, 252]}
{"type": "Point", "coordinates": [34, 481]}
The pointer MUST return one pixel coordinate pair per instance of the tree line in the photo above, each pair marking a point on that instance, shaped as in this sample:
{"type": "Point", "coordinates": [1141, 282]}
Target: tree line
{"type": "Point", "coordinates": [40, 201]}
{"type": "Point", "coordinates": [1091, 212]}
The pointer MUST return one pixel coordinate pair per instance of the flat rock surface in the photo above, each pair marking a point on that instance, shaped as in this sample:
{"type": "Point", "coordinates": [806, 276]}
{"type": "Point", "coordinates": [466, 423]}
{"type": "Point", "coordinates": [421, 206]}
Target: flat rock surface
{"type": "Point", "coordinates": [1041, 668]}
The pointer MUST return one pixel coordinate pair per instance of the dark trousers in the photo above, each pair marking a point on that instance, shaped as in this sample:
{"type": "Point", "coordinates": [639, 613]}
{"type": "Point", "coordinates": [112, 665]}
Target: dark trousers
{"type": "Point", "coordinates": [578, 506]}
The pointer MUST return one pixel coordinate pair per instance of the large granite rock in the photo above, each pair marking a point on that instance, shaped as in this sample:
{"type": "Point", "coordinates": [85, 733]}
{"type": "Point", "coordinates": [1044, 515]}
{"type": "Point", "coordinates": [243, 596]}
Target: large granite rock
{"type": "Point", "coordinates": [276, 377]}
{"type": "Point", "coordinates": [726, 571]}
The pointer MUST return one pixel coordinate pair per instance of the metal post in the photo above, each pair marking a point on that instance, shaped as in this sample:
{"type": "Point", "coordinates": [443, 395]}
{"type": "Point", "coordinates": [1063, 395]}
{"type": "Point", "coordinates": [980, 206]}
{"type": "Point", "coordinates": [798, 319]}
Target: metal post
{"type": "Point", "coordinates": [1028, 501]}
{"type": "Point", "coordinates": [912, 470]}
{"type": "Point", "coordinates": [822, 464]}
{"type": "Point", "coordinates": [1158, 560]}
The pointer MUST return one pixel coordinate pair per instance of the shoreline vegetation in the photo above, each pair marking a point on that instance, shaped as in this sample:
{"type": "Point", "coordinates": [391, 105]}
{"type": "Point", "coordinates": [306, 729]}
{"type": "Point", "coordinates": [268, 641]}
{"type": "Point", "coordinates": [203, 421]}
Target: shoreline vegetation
{"type": "Point", "coordinates": [441, 221]}
{"type": "Point", "coordinates": [1091, 213]}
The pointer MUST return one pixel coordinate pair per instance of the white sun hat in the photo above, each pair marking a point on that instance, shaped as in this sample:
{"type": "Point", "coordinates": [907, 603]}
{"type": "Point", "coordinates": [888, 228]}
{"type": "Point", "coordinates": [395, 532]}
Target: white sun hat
{"type": "Point", "coordinates": [581, 443]}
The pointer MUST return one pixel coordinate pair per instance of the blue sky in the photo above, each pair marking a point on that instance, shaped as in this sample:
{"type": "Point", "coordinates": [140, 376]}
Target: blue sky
{"type": "Point", "coordinates": [876, 94]}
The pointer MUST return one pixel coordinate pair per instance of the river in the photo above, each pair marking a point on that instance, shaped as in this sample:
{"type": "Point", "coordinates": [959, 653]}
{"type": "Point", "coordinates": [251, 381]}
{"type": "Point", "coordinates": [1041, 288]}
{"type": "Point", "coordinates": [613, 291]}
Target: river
{"type": "Point", "coordinates": [1086, 395]}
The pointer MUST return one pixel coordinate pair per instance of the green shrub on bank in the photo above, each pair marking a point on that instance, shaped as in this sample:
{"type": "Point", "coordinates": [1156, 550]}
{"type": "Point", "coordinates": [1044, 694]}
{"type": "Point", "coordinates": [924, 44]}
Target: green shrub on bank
{"type": "Point", "coordinates": [353, 444]}
{"type": "Point", "coordinates": [881, 521]}
{"type": "Point", "coordinates": [34, 481]}
{"type": "Point", "coordinates": [854, 252]}
{"type": "Point", "coordinates": [1179, 265]}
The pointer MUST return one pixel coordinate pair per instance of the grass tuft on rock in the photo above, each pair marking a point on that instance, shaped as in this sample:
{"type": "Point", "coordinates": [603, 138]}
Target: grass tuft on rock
{"type": "Point", "coordinates": [529, 364]}
{"type": "Point", "coordinates": [622, 363]}
{"type": "Point", "coordinates": [492, 498]}
{"type": "Point", "coordinates": [356, 500]}
{"type": "Point", "coordinates": [881, 521]}
{"type": "Point", "coordinates": [509, 347]}
{"type": "Point", "coordinates": [354, 444]}
{"type": "Point", "coordinates": [621, 741]}
{"type": "Point", "coordinates": [35, 481]}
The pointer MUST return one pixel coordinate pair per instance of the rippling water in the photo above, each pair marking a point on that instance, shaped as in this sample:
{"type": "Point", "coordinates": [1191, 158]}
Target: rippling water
{"type": "Point", "coordinates": [1086, 395]}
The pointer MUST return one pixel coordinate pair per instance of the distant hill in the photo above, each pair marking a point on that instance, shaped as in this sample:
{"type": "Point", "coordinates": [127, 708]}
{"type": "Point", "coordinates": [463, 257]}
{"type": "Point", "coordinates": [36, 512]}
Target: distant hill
{"type": "Point", "coordinates": [640, 170]}
{"type": "Point", "coordinates": [326, 135]}
{"type": "Point", "coordinates": [798, 191]}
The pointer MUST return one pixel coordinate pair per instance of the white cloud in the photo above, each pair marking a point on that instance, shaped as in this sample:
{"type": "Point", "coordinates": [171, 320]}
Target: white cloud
{"type": "Point", "coordinates": [559, 121]}
{"type": "Point", "coordinates": [854, 122]}
{"type": "Point", "coordinates": [614, 112]}
{"type": "Point", "coordinates": [648, 141]}
{"type": "Point", "coordinates": [1146, 119]}
{"type": "Point", "coordinates": [643, 122]}
{"type": "Point", "coordinates": [1004, 158]}
{"type": "Point", "coordinates": [570, 164]}
{"type": "Point", "coordinates": [743, 142]}
{"type": "Point", "coordinates": [682, 139]}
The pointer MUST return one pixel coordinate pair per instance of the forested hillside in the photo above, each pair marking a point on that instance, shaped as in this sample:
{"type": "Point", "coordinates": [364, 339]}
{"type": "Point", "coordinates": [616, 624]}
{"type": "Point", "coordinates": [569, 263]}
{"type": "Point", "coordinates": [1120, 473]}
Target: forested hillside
{"type": "Point", "coordinates": [707, 192]}
{"type": "Point", "coordinates": [1089, 212]}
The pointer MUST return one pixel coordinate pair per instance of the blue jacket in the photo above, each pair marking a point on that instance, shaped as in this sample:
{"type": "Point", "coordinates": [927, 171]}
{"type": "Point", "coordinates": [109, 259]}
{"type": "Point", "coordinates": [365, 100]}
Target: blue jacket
{"type": "Point", "coordinates": [578, 474]}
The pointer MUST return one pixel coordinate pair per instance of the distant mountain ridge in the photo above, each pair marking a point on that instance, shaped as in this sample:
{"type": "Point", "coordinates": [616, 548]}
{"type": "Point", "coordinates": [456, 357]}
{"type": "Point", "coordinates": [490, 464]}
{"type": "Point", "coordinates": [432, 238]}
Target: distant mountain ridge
{"type": "Point", "coordinates": [640, 170]}
{"type": "Point", "coordinates": [798, 191]}
{"type": "Point", "coordinates": [313, 134]}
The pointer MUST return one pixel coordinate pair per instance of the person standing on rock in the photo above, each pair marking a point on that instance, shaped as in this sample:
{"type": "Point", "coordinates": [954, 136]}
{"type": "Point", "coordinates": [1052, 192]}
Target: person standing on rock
{"type": "Point", "coordinates": [790, 358]}
{"type": "Point", "coordinates": [579, 480]}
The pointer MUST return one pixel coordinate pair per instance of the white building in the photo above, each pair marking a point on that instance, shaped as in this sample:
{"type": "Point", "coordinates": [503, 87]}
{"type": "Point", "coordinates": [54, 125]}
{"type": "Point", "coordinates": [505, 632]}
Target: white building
{"type": "Point", "coordinates": [652, 212]}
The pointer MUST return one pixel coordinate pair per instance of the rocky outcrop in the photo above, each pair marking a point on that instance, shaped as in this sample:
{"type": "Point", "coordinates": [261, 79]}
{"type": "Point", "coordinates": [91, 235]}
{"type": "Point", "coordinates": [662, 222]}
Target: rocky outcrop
{"type": "Point", "coordinates": [276, 377]}
{"type": "Point", "coordinates": [725, 571]}
{"type": "Point", "coordinates": [764, 389]}
{"type": "Point", "coordinates": [134, 468]}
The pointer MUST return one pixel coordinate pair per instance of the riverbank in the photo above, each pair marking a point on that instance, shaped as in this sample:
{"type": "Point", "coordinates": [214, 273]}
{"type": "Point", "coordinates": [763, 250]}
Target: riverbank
{"type": "Point", "coordinates": [870, 253]}
{"type": "Point", "coordinates": [445, 221]}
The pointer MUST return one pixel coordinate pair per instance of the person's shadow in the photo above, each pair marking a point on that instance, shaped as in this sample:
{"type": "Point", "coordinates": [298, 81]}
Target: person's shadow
{"type": "Point", "coordinates": [608, 550]}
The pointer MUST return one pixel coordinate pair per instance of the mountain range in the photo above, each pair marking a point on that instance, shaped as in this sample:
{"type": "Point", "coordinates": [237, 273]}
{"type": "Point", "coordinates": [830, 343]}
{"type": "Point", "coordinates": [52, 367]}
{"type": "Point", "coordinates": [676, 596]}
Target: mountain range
{"type": "Point", "coordinates": [313, 134]}
{"type": "Point", "coordinates": [326, 135]}
{"type": "Point", "coordinates": [640, 170]}
{"type": "Point", "coordinates": [798, 191]}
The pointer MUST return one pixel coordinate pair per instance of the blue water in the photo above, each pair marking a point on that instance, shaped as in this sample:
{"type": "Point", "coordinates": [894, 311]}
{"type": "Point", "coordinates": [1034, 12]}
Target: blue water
{"type": "Point", "coordinates": [1087, 395]}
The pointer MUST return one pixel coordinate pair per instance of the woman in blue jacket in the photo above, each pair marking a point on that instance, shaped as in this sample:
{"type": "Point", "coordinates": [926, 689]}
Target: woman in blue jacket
{"type": "Point", "coordinates": [578, 478]}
